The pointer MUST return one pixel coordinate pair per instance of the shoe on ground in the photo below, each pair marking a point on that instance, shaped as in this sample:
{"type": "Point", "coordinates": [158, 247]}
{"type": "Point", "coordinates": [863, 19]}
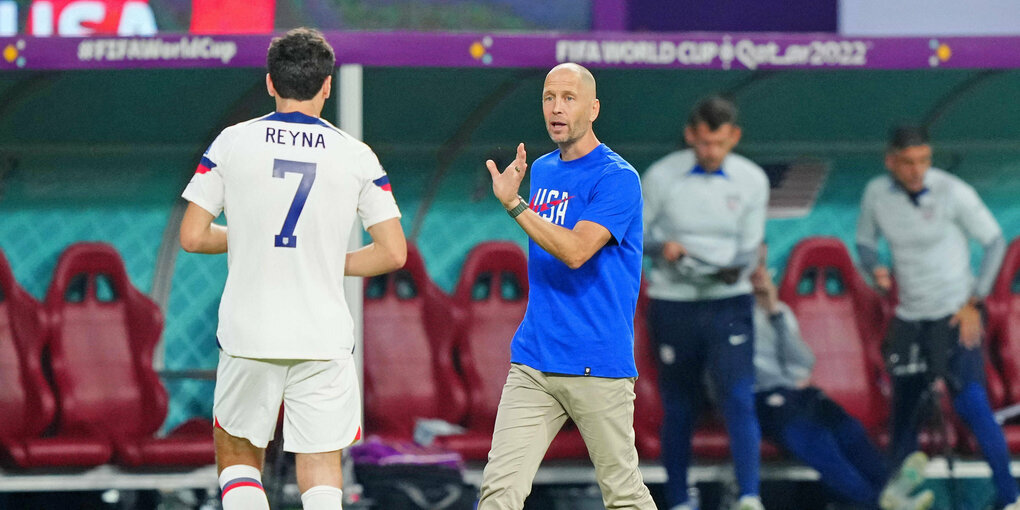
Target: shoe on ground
{"type": "Point", "coordinates": [909, 477]}
{"type": "Point", "coordinates": [921, 501]}
{"type": "Point", "coordinates": [750, 503]}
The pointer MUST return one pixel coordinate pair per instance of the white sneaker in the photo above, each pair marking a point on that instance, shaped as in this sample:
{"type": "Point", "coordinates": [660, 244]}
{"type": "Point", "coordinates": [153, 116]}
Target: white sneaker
{"type": "Point", "coordinates": [921, 501]}
{"type": "Point", "coordinates": [750, 503]}
{"type": "Point", "coordinates": [910, 475]}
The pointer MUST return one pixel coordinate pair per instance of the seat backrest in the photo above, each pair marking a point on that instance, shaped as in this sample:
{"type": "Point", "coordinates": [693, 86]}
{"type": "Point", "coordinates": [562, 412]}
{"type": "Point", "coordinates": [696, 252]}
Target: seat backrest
{"type": "Point", "coordinates": [1003, 305]}
{"type": "Point", "coordinates": [103, 334]}
{"type": "Point", "coordinates": [408, 351]}
{"type": "Point", "coordinates": [840, 318]}
{"type": "Point", "coordinates": [26, 401]}
{"type": "Point", "coordinates": [493, 295]}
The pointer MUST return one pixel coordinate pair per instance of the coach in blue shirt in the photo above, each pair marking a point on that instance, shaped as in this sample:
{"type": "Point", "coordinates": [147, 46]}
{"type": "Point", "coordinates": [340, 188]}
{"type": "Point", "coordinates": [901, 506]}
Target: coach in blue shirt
{"type": "Point", "coordinates": [573, 354]}
{"type": "Point", "coordinates": [704, 221]}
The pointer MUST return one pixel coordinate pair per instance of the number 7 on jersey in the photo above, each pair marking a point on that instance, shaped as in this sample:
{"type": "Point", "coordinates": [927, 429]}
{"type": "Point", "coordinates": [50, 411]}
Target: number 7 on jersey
{"type": "Point", "coordinates": [286, 237]}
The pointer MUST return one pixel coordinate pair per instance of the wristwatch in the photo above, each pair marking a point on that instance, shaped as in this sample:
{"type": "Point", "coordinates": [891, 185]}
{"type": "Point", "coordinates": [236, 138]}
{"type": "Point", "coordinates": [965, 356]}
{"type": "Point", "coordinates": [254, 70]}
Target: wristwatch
{"type": "Point", "coordinates": [519, 208]}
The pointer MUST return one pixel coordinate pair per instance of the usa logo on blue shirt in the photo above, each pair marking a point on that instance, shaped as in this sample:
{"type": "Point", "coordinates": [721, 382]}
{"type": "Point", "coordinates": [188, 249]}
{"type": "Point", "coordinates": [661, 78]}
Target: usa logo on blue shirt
{"type": "Point", "coordinates": [551, 205]}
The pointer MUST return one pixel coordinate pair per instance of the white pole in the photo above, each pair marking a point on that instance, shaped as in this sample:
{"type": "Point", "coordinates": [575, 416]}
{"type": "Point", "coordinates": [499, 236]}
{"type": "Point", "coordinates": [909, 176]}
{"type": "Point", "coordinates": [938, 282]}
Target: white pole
{"type": "Point", "coordinates": [349, 101]}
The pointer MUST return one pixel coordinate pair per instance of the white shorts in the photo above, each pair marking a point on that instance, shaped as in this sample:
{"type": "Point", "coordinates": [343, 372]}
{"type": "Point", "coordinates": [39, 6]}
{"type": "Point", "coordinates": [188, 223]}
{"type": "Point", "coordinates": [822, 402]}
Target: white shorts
{"type": "Point", "coordinates": [321, 401]}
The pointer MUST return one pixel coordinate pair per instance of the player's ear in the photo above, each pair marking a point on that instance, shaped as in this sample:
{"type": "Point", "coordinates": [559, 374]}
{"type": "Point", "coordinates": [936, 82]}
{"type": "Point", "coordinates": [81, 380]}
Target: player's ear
{"type": "Point", "coordinates": [689, 135]}
{"type": "Point", "coordinates": [269, 86]}
{"type": "Point", "coordinates": [735, 135]}
{"type": "Point", "coordinates": [596, 107]}
{"type": "Point", "coordinates": [890, 160]}
{"type": "Point", "coordinates": [327, 87]}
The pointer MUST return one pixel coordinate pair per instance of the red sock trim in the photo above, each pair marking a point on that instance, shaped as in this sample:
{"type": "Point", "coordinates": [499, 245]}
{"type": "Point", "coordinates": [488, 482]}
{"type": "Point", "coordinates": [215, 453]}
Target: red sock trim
{"type": "Point", "coordinates": [240, 482]}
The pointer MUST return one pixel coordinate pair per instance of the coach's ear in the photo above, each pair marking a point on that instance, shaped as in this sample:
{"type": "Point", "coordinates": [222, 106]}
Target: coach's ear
{"type": "Point", "coordinates": [327, 87]}
{"type": "Point", "coordinates": [269, 86]}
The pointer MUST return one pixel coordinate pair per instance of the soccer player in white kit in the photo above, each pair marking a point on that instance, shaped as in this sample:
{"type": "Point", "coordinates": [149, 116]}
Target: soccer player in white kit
{"type": "Point", "coordinates": [291, 186]}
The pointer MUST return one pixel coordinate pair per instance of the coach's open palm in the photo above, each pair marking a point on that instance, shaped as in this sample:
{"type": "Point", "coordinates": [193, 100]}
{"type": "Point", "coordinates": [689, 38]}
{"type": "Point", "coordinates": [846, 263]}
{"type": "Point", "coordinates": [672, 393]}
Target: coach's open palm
{"type": "Point", "coordinates": [506, 184]}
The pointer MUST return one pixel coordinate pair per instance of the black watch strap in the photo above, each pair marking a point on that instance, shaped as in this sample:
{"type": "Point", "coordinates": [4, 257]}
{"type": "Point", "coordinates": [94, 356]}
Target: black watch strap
{"type": "Point", "coordinates": [519, 208]}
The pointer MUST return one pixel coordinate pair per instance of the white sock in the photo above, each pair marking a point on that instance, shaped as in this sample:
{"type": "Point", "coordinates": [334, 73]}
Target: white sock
{"type": "Point", "coordinates": [322, 497]}
{"type": "Point", "coordinates": [241, 487]}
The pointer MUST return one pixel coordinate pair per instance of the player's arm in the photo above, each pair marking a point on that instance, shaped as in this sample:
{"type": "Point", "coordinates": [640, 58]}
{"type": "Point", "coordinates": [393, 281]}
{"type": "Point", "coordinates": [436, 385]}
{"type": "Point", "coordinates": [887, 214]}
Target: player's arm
{"type": "Point", "coordinates": [656, 245]}
{"type": "Point", "coordinates": [387, 251]}
{"type": "Point", "coordinates": [751, 228]}
{"type": "Point", "coordinates": [199, 234]}
{"type": "Point", "coordinates": [571, 246]}
{"type": "Point", "coordinates": [977, 221]}
{"type": "Point", "coordinates": [798, 360]}
{"type": "Point", "coordinates": [866, 244]}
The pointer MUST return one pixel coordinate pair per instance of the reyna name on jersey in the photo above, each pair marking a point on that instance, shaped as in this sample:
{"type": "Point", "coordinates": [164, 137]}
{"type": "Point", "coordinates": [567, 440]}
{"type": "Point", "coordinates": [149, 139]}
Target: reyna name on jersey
{"type": "Point", "coordinates": [297, 138]}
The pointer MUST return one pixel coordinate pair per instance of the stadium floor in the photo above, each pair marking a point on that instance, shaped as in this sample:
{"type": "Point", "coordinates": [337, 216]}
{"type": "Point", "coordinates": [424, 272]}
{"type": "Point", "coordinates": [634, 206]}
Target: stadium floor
{"type": "Point", "coordinates": [566, 486]}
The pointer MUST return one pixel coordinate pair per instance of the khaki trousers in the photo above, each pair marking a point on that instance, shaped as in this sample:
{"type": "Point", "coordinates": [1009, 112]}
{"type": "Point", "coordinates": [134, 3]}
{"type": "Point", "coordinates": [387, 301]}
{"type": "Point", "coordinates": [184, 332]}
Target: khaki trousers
{"type": "Point", "coordinates": [533, 407]}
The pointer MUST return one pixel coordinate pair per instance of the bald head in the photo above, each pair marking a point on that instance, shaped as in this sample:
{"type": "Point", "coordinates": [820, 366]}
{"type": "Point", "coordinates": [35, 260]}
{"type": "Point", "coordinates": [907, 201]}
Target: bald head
{"type": "Point", "coordinates": [584, 76]}
{"type": "Point", "coordinates": [570, 106]}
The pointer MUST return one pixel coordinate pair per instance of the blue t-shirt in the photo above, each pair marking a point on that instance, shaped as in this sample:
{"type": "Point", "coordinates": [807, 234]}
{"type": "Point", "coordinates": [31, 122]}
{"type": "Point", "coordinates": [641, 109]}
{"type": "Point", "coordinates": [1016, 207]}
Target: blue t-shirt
{"type": "Point", "coordinates": [581, 321]}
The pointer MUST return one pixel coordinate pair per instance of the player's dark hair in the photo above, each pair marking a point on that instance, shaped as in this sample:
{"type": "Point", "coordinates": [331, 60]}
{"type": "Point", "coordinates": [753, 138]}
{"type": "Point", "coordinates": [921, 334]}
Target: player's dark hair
{"type": "Point", "coordinates": [299, 63]}
{"type": "Point", "coordinates": [714, 111]}
{"type": "Point", "coordinates": [901, 137]}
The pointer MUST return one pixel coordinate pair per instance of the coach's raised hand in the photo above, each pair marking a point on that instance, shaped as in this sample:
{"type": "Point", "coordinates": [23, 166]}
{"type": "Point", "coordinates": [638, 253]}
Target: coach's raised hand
{"type": "Point", "coordinates": [506, 185]}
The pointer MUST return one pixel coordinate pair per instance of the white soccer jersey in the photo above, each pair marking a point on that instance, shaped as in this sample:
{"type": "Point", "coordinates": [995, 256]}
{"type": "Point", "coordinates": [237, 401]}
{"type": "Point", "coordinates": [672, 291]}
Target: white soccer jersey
{"type": "Point", "coordinates": [291, 187]}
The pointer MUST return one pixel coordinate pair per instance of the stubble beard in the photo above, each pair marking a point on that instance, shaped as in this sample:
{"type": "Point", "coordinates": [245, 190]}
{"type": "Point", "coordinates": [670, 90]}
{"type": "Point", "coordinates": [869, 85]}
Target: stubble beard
{"type": "Point", "coordinates": [571, 136]}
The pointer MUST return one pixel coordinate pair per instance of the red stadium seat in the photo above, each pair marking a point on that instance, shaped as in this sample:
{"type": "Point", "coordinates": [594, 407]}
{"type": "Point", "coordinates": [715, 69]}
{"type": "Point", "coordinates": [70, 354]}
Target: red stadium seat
{"type": "Point", "coordinates": [26, 401]}
{"type": "Point", "coordinates": [1003, 305]}
{"type": "Point", "coordinates": [842, 320]}
{"type": "Point", "coordinates": [103, 335]}
{"type": "Point", "coordinates": [408, 348]}
{"type": "Point", "coordinates": [492, 296]}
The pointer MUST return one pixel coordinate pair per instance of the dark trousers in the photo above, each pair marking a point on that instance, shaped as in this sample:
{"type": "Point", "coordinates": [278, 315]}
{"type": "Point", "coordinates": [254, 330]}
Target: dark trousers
{"type": "Point", "coordinates": [690, 338]}
{"type": "Point", "coordinates": [821, 434]}
{"type": "Point", "coordinates": [917, 353]}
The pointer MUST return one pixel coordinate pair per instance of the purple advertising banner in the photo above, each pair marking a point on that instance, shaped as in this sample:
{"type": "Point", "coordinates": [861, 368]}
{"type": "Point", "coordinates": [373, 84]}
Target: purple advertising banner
{"type": "Point", "coordinates": [595, 50]}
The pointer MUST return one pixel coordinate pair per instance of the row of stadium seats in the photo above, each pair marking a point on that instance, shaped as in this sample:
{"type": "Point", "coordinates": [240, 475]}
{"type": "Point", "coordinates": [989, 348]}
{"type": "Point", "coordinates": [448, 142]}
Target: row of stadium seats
{"type": "Point", "coordinates": [433, 355]}
{"type": "Point", "coordinates": [1003, 333]}
{"type": "Point", "coordinates": [77, 385]}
